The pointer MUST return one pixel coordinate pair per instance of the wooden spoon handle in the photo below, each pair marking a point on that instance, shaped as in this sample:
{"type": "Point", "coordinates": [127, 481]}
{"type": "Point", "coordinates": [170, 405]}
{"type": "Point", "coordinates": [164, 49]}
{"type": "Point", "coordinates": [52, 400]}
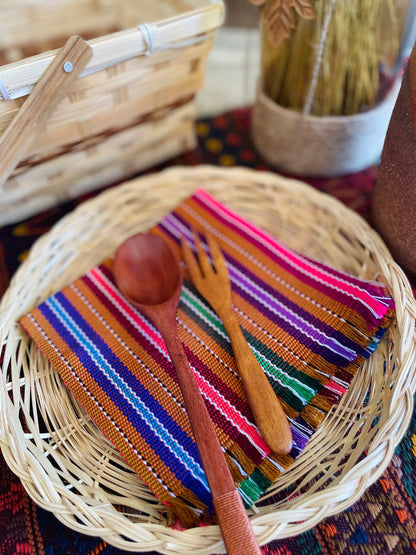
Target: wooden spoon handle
{"type": "Point", "coordinates": [264, 404]}
{"type": "Point", "coordinates": [236, 528]}
{"type": "Point", "coordinates": [235, 525]}
{"type": "Point", "coordinates": [49, 90]}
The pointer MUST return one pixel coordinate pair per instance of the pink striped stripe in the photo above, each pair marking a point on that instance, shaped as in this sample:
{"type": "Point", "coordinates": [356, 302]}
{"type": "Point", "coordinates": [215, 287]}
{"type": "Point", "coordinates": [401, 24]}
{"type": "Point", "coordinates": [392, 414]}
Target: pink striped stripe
{"type": "Point", "coordinates": [234, 416]}
{"type": "Point", "coordinates": [374, 306]}
{"type": "Point", "coordinates": [333, 386]}
{"type": "Point", "coordinates": [125, 307]}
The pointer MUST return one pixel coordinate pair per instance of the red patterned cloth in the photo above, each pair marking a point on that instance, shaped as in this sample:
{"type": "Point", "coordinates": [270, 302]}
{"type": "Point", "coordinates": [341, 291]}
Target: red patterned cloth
{"type": "Point", "coordinates": [382, 521]}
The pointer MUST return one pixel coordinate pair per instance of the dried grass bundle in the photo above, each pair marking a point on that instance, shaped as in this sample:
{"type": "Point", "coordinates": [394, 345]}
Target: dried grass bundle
{"type": "Point", "coordinates": [329, 57]}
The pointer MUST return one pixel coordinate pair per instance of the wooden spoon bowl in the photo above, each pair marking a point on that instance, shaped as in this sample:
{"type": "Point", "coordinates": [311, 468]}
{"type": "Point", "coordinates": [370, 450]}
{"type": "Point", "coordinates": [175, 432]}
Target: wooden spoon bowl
{"type": "Point", "coordinates": [150, 258]}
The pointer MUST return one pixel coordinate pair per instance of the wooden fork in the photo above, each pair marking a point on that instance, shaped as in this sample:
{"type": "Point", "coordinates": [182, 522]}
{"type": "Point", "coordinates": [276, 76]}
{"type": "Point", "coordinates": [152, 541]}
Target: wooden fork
{"type": "Point", "coordinates": [214, 285]}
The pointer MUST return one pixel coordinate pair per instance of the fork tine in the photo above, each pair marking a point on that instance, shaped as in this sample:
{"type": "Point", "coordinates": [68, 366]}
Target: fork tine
{"type": "Point", "coordinates": [203, 259]}
{"type": "Point", "coordinates": [216, 254]}
{"type": "Point", "coordinates": [191, 263]}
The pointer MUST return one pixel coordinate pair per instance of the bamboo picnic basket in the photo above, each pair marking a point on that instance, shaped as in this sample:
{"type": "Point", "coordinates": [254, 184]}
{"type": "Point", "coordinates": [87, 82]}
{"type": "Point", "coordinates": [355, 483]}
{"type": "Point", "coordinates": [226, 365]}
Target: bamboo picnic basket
{"type": "Point", "coordinates": [69, 466]}
{"type": "Point", "coordinates": [132, 107]}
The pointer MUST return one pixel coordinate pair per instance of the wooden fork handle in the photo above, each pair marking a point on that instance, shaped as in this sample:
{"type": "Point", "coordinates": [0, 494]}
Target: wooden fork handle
{"type": "Point", "coordinates": [232, 517]}
{"type": "Point", "coordinates": [267, 411]}
{"type": "Point", "coordinates": [49, 90]}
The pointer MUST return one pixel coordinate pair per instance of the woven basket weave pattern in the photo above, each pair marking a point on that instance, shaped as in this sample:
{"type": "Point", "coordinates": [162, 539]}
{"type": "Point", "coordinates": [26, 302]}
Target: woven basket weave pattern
{"type": "Point", "coordinates": [68, 464]}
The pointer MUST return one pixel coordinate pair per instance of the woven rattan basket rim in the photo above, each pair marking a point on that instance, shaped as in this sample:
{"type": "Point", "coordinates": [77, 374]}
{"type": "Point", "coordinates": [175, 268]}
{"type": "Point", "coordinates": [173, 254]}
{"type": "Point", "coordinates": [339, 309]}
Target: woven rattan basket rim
{"type": "Point", "coordinates": [92, 232]}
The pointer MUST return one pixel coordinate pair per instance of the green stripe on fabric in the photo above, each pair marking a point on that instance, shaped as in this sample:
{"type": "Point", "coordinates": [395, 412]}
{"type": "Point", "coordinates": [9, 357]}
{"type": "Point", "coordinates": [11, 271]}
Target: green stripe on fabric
{"type": "Point", "coordinates": [201, 315]}
{"type": "Point", "coordinates": [260, 479]}
{"type": "Point", "coordinates": [247, 500]}
{"type": "Point", "coordinates": [205, 313]}
{"type": "Point", "coordinates": [251, 490]}
{"type": "Point", "coordinates": [299, 389]}
{"type": "Point", "coordinates": [301, 384]}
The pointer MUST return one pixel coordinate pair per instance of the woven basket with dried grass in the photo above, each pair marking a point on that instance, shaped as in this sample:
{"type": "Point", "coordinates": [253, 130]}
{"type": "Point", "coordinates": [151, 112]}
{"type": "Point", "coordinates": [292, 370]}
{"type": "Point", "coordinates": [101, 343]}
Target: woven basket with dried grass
{"type": "Point", "coordinates": [330, 73]}
{"type": "Point", "coordinates": [71, 468]}
{"type": "Point", "coordinates": [133, 106]}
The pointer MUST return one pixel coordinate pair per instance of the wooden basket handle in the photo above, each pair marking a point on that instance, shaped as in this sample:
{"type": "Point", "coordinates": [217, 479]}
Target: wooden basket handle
{"type": "Point", "coordinates": [49, 90]}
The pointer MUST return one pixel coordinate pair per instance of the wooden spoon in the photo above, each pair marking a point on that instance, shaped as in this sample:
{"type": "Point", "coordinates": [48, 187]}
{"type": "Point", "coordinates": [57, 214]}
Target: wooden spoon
{"type": "Point", "coordinates": [149, 274]}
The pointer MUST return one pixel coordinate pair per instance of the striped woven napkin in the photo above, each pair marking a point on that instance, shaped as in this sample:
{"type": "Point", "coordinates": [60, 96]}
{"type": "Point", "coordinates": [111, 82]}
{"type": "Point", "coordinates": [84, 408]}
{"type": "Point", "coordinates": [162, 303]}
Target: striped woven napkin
{"type": "Point", "coordinates": [309, 325]}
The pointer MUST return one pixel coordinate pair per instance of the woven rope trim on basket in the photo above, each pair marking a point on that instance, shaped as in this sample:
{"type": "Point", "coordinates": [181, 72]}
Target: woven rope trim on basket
{"type": "Point", "coordinates": [330, 145]}
{"type": "Point", "coordinates": [71, 467]}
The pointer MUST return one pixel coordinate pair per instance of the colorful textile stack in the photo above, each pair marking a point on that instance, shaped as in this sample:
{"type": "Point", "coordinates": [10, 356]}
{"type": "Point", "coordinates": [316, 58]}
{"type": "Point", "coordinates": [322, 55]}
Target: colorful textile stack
{"type": "Point", "coordinates": [309, 325]}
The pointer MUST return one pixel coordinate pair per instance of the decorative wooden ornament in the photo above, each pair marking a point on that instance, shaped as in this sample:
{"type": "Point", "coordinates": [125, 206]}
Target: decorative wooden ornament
{"type": "Point", "coordinates": [279, 18]}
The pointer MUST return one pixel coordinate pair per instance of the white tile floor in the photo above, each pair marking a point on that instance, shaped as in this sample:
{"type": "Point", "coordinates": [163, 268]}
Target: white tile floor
{"type": "Point", "coordinates": [231, 71]}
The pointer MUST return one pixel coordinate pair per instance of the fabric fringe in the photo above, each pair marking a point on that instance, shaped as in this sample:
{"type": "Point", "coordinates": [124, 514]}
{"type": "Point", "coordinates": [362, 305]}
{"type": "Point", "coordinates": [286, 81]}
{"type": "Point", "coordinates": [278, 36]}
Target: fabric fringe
{"type": "Point", "coordinates": [180, 512]}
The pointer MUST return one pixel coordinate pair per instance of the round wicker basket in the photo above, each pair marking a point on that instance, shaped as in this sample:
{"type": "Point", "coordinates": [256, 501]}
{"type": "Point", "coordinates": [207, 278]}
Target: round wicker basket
{"type": "Point", "coordinates": [68, 467]}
